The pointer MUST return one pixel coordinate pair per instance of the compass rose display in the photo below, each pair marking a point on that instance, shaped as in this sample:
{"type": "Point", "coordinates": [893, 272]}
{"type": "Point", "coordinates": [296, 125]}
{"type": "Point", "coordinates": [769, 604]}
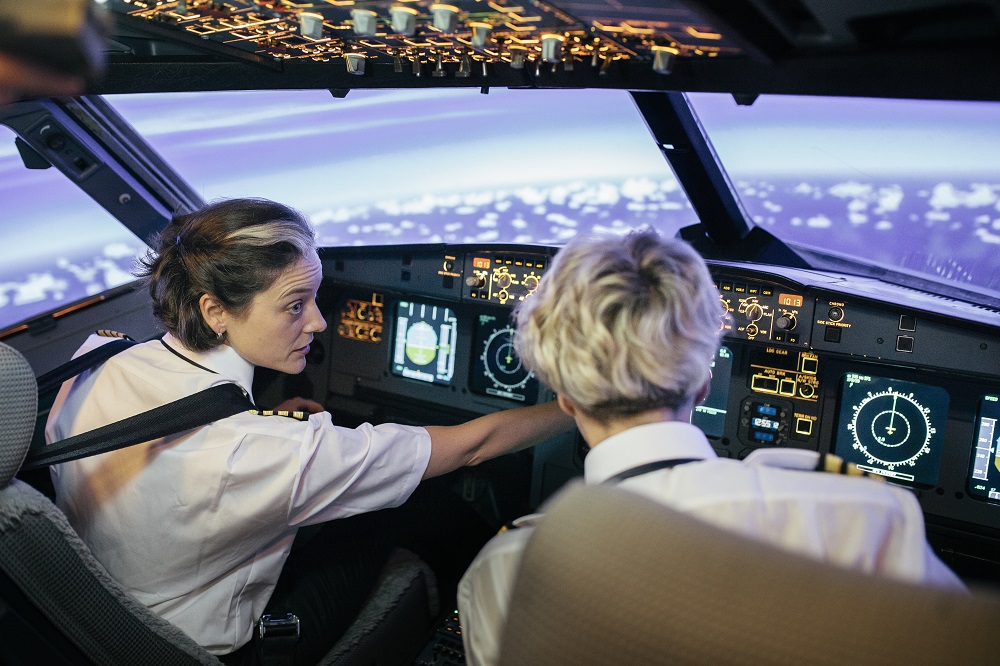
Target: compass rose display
{"type": "Point", "coordinates": [892, 427]}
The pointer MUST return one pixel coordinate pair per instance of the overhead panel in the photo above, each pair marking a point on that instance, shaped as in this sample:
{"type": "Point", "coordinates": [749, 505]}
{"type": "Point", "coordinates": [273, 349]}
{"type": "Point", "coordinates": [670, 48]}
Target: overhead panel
{"type": "Point", "coordinates": [457, 38]}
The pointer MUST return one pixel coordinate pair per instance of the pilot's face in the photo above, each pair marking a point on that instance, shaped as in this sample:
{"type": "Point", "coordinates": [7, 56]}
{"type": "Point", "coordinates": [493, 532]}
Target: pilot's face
{"type": "Point", "coordinates": [275, 332]}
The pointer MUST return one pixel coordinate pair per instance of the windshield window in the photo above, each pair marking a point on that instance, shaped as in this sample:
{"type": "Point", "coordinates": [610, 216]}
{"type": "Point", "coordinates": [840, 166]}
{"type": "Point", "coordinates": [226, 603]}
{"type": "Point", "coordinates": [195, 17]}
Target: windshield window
{"type": "Point", "coordinates": [423, 166]}
{"type": "Point", "coordinates": [904, 184]}
{"type": "Point", "coordinates": [58, 245]}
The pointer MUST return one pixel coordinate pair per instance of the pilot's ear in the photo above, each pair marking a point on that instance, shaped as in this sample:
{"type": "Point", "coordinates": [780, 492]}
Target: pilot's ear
{"type": "Point", "coordinates": [212, 312]}
{"type": "Point", "coordinates": [567, 405]}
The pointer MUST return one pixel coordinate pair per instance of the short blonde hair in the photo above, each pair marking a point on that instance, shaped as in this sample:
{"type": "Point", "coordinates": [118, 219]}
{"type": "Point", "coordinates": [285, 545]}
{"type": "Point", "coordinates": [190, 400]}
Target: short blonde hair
{"type": "Point", "coordinates": [622, 325]}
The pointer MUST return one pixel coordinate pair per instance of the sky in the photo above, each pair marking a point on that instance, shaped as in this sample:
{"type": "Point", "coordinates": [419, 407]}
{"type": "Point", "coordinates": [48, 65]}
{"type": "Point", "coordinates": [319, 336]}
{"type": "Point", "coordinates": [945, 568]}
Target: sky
{"type": "Point", "coordinates": [533, 166]}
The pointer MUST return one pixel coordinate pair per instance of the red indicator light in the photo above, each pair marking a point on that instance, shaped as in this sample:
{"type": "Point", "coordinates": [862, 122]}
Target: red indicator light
{"type": "Point", "coordinates": [479, 262]}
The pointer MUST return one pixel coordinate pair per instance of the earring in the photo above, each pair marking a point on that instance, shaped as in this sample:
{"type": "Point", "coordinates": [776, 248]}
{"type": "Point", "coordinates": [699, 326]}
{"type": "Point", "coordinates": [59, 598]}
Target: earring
{"type": "Point", "coordinates": [220, 334]}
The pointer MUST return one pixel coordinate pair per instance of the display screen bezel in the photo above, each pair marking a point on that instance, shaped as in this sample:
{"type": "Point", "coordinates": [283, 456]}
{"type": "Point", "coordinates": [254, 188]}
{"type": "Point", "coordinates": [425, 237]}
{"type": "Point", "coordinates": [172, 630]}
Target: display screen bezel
{"type": "Point", "coordinates": [982, 491]}
{"type": "Point", "coordinates": [710, 416]}
{"type": "Point", "coordinates": [484, 379]}
{"type": "Point", "coordinates": [402, 362]}
{"type": "Point", "coordinates": [861, 398]}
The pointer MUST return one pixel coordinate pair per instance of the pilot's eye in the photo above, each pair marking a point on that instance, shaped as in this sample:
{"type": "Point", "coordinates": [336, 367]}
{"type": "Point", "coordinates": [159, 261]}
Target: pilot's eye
{"type": "Point", "coordinates": [295, 308]}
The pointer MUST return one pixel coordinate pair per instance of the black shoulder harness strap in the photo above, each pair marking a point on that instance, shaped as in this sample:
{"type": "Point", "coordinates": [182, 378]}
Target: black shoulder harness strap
{"type": "Point", "coordinates": [52, 379]}
{"type": "Point", "coordinates": [194, 411]}
{"type": "Point", "coordinates": [649, 467]}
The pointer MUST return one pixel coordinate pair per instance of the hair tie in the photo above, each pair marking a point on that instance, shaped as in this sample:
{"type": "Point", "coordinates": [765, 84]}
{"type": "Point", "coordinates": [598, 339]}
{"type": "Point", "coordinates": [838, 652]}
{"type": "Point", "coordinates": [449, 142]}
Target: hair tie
{"type": "Point", "coordinates": [179, 246]}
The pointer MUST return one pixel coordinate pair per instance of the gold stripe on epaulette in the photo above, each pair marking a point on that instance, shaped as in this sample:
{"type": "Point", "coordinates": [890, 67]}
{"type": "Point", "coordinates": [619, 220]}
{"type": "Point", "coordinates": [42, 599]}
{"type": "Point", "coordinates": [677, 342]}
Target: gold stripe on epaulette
{"type": "Point", "coordinates": [106, 333]}
{"type": "Point", "coordinates": [837, 465]}
{"type": "Point", "coordinates": [298, 416]}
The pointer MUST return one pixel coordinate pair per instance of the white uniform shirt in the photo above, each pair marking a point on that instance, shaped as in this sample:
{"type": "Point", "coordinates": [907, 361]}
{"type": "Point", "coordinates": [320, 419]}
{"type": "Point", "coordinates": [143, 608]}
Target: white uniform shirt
{"type": "Point", "coordinates": [198, 525]}
{"type": "Point", "coordinates": [854, 522]}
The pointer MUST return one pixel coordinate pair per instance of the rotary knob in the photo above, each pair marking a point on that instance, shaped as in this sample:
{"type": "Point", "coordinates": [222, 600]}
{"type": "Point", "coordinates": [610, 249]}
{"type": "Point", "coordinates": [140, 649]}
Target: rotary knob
{"type": "Point", "coordinates": [785, 322]}
{"type": "Point", "coordinates": [754, 312]}
{"type": "Point", "coordinates": [476, 281]}
{"type": "Point", "coordinates": [503, 280]}
{"type": "Point", "coordinates": [530, 282]}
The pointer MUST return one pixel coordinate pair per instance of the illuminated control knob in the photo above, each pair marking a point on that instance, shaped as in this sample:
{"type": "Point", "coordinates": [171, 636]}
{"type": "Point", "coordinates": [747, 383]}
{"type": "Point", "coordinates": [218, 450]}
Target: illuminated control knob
{"type": "Point", "coordinates": [754, 312]}
{"type": "Point", "coordinates": [530, 282]}
{"type": "Point", "coordinates": [836, 313]}
{"type": "Point", "coordinates": [476, 281]}
{"type": "Point", "coordinates": [503, 280]}
{"type": "Point", "coordinates": [785, 322]}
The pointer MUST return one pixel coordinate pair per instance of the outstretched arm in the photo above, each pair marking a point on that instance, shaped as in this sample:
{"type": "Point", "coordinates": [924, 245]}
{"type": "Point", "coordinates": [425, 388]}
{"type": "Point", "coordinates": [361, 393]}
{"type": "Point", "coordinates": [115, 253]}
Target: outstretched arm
{"type": "Point", "coordinates": [492, 435]}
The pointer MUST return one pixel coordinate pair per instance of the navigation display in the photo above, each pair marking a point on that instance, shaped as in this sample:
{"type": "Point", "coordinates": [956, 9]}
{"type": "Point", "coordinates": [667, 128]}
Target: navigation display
{"type": "Point", "coordinates": [984, 472]}
{"type": "Point", "coordinates": [424, 342]}
{"type": "Point", "coordinates": [498, 370]}
{"type": "Point", "coordinates": [892, 428]}
{"type": "Point", "coordinates": [710, 416]}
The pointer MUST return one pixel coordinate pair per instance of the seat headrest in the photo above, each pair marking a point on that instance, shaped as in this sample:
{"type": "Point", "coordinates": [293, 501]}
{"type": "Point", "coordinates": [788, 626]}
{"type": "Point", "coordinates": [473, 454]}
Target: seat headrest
{"type": "Point", "coordinates": [18, 410]}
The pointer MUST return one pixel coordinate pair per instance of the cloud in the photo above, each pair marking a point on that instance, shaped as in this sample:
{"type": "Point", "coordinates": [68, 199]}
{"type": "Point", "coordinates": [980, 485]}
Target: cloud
{"type": "Point", "coordinates": [946, 195]}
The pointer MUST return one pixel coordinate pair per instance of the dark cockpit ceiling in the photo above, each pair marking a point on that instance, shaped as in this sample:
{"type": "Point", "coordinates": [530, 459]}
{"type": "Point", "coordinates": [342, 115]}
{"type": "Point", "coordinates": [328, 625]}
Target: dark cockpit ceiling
{"type": "Point", "coordinates": [940, 49]}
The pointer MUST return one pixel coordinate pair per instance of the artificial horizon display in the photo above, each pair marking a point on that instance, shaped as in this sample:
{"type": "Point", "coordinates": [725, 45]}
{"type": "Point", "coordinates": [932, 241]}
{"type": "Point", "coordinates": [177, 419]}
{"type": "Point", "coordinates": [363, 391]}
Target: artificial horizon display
{"type": "Point", "coordinates": [424, 342]}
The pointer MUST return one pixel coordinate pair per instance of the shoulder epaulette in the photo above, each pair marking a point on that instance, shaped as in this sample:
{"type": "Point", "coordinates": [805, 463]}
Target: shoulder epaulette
{"type": "Point", "coordinates": [298, 416]}
{"type": "Point", "coordinates": [827, 462]}
{"type": "Point", "coordinates": [529, 520]}
{"type": "Point", "coordinates": [105, 333]}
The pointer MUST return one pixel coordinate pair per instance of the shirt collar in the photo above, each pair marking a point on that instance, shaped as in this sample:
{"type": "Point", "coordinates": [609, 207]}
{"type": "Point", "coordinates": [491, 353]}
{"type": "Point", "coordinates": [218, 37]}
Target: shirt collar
{"type": "Point", "coordinates": [652, 442]}
{"type": "Point", "coordinates": [223, 360]}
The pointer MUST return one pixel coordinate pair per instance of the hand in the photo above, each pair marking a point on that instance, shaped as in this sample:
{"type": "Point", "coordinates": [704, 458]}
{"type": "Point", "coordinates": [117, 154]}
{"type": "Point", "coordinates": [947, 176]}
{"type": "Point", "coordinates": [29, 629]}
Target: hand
{"type": "Point", "coordinates": [18, 78]}
{"type": "Point", "coordinates": [298, 404]}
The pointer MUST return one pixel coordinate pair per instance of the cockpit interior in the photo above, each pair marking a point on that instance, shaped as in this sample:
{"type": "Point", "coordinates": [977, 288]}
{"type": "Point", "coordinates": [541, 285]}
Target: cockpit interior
{"type": "Point", "coordinates": [836, 163]}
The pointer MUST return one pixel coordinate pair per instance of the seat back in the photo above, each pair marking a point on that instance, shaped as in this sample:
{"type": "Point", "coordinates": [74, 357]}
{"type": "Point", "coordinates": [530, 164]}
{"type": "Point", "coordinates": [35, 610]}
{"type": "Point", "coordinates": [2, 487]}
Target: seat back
{"type": "Point", "coordinates": [612, 577]}
{"type": "Point", "coordinates": [59, 603]}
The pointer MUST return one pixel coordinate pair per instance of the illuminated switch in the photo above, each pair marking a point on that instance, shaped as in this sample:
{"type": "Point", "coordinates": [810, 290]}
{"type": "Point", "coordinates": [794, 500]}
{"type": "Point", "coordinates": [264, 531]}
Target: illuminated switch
{"type": "Point", "coordinates": [404, 20]}
{"type": "Point", "coordinates": [311, 25]}
{"type": "Point", "coordinates": [803, 426]}
{"type": "Point", "coordinates": [787, 387]}
{"type": "Point", "coordinates": [764, 384]}
{"type": "Point", "coordinates": [810, 365]}
{"type": "Point", "coordinates": [445, 17]}
{"type": "Point", "coordinates": [832, 334]}
{"type": "Point", "coordinates": [907, 323]}
{"type": "Point", "coordinates": [904, 343]}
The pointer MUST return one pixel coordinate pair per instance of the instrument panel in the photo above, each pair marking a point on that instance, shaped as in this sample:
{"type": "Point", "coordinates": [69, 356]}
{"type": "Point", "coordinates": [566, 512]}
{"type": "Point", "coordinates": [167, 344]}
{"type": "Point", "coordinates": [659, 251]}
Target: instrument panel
{"type": "Point", "coordinates": [905, 385]}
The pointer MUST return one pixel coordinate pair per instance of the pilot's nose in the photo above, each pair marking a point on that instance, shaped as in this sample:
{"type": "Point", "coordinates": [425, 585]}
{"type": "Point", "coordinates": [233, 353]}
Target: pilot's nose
{"type": "Point", "coordinates": [317, 324]}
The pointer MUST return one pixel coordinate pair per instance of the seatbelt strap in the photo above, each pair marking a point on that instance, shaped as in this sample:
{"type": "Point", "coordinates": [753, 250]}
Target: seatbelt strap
{"type": "Point", "coordinates": [193, 411]}
{"type": "Point", "coordinates": [277, 634]}
{"type": "Point", "coordinates": [639, 470]}
{"type": "Point", "coordinates": [52, 379]}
